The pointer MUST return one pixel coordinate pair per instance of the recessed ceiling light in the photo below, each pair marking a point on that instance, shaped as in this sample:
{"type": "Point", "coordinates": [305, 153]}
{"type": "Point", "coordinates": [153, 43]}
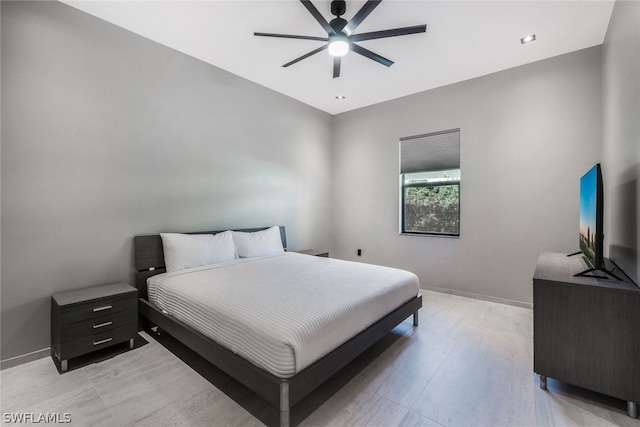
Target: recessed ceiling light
{"type": "Point", "coordinates": [340, 97]}
{"type": "Point", "coordinates": [528, 39]}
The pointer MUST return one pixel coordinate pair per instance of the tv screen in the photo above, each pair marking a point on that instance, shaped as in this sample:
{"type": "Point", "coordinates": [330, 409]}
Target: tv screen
{"type": "Point", "coordinates": [591, 213]}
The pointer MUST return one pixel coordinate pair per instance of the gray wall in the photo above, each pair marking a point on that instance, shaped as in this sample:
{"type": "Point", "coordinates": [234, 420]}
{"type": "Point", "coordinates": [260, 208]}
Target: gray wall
{"type": "Point", "coordinates": [527, 135]}
{"type": "Point", "coordinates": [621, 152]}
{"type": "Point", "coordinates": [107, 135]}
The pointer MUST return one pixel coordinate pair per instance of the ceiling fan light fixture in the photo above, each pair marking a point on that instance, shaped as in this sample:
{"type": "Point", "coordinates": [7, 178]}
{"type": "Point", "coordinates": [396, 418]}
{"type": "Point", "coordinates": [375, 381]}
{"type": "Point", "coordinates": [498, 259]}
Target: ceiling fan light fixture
{"type": "Point", "coordinates": [338, 45]}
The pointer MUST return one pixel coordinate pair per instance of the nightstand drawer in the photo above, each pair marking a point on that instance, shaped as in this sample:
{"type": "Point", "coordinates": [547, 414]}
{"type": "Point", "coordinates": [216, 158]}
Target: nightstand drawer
{"type": "Point", "coordinates": [88, 344]}
{"type": "Point", "coordinates": [97, 308]}
{"type": "Point", "coordinates": [97, 325]}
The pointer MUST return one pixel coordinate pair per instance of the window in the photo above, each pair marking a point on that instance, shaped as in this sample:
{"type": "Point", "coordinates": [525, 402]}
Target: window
{"type": "Point", "coordinates": [430, 184]}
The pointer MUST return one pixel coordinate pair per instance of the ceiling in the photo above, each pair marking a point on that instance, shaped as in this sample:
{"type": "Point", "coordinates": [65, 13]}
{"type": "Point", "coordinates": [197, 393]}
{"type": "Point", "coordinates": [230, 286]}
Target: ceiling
{"type": "Point", "coordinates": [464, 39]}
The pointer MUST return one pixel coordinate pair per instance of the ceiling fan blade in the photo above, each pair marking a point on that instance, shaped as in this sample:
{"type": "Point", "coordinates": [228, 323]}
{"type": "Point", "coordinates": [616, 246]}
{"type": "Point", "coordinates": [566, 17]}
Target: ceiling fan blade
{"type": "Point", "coordinates": [306, 55]}
{"type": "Point", "coordinates": [336, 66]}
{"type": "Point", "coordinates": [291, 36]}
{"type": "Point", "coordinates": [316, 14]}
{"type": "Point", "coordinates": [361, 15]}
{"type": "Point", "coordinates": [389, 33]}
{"type": "Point", "coordinates": [374, 56]}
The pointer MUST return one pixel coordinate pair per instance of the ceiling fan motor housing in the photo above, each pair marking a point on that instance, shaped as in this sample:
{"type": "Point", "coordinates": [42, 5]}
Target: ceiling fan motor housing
{"type": "Point", "coordinates": [338, 7]}
{"type": "Point", "coordinates": [338, 24]}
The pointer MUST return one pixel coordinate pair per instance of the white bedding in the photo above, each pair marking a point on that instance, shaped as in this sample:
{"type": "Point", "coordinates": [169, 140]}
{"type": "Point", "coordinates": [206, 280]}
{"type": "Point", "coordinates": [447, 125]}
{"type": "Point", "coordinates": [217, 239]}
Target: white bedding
{"type": "Point", "coordinates": [283, 312]}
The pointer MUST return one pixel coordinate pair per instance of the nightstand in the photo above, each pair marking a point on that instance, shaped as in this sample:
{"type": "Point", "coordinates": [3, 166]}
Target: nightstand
{"type": "Point", "coordinates": [88, 319]}
{"type": "Point", "coordinates": [315, 252]}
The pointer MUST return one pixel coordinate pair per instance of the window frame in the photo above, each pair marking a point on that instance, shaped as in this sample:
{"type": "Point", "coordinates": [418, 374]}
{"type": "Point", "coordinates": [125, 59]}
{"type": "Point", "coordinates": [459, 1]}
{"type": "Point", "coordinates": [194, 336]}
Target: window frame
{"type": "Point", "coordinates": [429, 153]}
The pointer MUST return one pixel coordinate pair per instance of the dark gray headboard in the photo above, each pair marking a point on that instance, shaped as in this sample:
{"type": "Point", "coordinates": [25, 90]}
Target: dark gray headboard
{"type": "Point", "coordinates": [149, 255]}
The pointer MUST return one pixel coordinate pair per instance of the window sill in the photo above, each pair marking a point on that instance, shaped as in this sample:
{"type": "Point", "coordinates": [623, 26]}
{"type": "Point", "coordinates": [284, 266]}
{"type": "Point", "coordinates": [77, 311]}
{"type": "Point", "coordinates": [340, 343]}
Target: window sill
{"type": "Point", "coordinates": [451, 236]}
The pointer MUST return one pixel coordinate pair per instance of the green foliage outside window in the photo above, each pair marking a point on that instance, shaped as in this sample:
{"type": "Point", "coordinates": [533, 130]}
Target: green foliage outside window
{"type": "Point", "coordinates": [432, 202]}
{"type": "Point", "coordinates": [432, 209]}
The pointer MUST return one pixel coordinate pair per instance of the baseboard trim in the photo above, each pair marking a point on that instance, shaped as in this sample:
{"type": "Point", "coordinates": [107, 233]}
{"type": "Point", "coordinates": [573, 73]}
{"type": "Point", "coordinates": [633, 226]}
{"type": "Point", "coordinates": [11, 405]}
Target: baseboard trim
{"type": "Point", "coordinates": [25, 358]}
{"type": "Point", "coordinates": [506, 301]}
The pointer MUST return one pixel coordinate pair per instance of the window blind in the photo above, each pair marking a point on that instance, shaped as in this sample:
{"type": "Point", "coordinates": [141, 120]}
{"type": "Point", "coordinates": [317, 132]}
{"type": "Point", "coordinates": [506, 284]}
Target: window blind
{"type": "Point", "coordinates": [430, 152]}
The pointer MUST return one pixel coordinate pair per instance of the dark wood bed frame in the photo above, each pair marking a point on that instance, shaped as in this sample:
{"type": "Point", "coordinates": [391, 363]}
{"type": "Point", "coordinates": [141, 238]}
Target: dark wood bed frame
{"type": "Point", "coordinates": [282, 393]}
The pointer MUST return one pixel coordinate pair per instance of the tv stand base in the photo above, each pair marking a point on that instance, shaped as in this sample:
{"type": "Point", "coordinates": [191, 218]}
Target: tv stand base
{"type": "Point", "coordinates": [632, 407]}
{"type": "Point", "coordinates": [595, 270]}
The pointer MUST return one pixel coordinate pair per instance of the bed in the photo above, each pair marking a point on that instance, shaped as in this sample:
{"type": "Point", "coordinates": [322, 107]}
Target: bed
{"type": "Point", "coordinates": [282, 349]}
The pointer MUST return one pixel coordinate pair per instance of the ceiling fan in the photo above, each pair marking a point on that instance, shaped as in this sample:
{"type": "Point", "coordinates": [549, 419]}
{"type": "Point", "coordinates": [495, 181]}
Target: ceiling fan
{"type": "Point", "coordinates": [340, 38]}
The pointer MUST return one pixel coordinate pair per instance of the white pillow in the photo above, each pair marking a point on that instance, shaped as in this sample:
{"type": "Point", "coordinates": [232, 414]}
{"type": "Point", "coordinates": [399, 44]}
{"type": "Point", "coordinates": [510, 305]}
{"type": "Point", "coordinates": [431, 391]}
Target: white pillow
{"type": "Point", "coordinates": [259, 243]}
{"type": "Point", "coordinates": [194, 250]}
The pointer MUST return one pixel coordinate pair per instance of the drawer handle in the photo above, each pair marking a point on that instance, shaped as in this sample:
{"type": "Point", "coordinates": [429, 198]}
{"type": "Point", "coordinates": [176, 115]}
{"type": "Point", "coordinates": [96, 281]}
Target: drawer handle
{"type": "Point", "coordinates": [102, 341]}
{"type": "Point", "coordinates": [106, 307]}
{"type": "Point", "coordinates": [102, 325]}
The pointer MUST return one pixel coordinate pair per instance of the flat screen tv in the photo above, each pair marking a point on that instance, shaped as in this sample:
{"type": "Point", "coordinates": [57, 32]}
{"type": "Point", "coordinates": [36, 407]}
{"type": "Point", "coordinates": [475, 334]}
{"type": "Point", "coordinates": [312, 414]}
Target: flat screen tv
{"type": "Point", "coordinates": [591, 215]}
{"type": "Point", "coordinates": [591, 222]}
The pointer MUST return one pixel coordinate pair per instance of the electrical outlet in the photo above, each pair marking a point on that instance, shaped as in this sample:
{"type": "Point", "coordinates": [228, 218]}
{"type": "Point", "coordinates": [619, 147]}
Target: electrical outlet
{"type": "Point", "coordinates": [359, 252]}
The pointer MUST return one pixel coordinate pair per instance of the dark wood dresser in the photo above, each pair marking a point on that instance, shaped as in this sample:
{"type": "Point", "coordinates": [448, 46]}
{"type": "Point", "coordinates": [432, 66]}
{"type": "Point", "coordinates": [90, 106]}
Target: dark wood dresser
{"type": "Point", "coordinates": [88, 319]}
{"type": "Point", "coordinates": [586, 331]}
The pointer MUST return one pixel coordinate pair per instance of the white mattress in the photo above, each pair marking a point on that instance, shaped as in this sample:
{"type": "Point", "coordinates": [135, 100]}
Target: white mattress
{"type": "Point", "coordinates": [284, 312]}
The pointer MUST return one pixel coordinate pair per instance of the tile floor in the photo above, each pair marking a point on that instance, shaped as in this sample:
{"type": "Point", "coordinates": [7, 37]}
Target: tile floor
{"type": "Point", "coordinates": [469, 363]}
